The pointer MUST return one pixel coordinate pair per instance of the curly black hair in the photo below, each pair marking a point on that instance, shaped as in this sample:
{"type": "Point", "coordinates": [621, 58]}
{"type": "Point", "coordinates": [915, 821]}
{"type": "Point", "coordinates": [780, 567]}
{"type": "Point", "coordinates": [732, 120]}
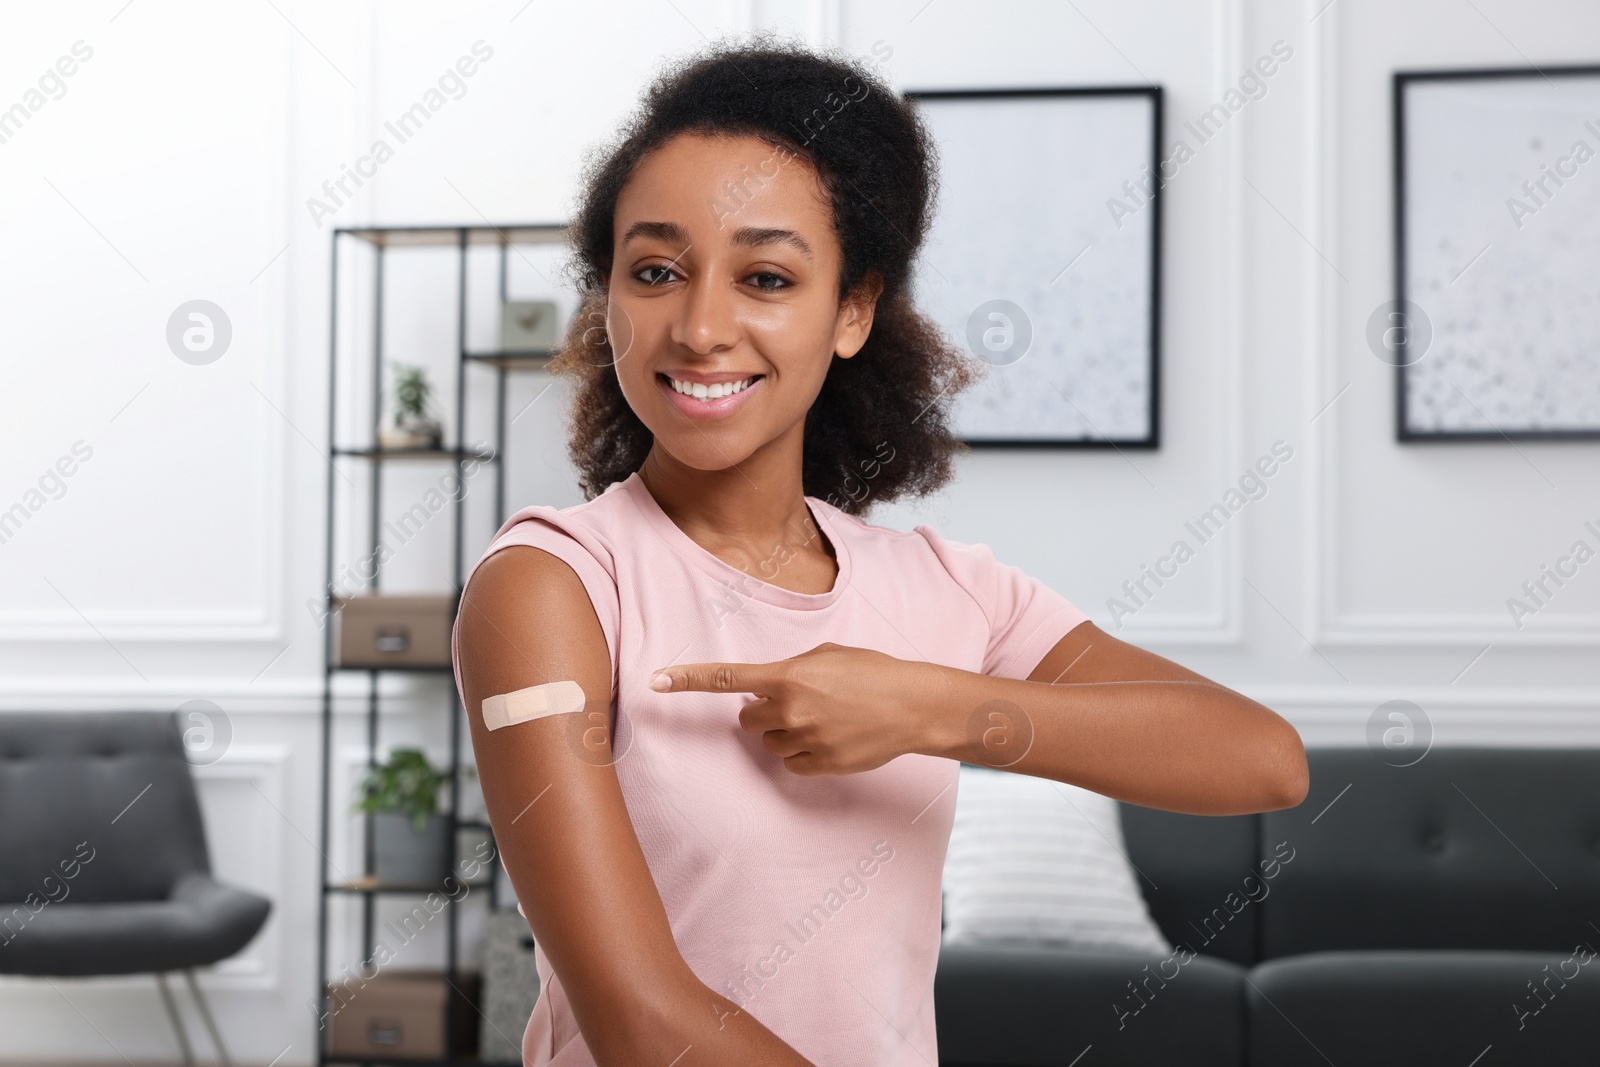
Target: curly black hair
{"type": "Point", "coordinates": [879, 427]}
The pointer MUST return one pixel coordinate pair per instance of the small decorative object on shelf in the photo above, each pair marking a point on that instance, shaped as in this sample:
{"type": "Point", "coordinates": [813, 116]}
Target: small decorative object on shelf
{"type": "Point", "coordinates": [409, 424]}
{"type": "Point", "coordinates": [413, 840]}
{"type": "Point", "coordinates": [528, 325]}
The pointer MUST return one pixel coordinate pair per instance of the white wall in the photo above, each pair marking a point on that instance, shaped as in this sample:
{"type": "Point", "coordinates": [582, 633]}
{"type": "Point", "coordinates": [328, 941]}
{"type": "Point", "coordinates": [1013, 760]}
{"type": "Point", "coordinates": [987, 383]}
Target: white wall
{"type": "Point", "coordinates": [178, 562]}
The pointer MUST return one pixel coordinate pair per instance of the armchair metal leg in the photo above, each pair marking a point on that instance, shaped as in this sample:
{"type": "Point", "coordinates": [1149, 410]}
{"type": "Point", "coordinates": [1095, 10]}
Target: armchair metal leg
{"type": "Point", "coordinates": [211, 1024]}
{"type": "Point", "coordinates": [177, 1020]}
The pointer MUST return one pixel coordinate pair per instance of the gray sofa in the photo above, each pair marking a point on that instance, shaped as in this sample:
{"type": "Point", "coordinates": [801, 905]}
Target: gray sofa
{"type": "Point", "coordinates": [1446, 912]}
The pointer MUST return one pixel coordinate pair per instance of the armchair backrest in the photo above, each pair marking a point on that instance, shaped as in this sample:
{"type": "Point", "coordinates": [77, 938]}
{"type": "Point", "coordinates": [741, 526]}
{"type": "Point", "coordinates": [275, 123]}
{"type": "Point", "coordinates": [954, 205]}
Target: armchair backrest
{"type": "Point", "coordinates": [95, 807]}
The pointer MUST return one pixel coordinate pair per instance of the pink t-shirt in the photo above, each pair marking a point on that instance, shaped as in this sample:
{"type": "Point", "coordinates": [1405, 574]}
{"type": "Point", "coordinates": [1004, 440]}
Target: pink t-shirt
{"type": "Point", "coordinates": [811, 902]}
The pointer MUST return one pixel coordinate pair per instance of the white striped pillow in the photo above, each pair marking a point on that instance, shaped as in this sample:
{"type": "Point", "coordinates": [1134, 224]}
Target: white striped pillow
{"type": "Point", "coordinates": [1039, 862]}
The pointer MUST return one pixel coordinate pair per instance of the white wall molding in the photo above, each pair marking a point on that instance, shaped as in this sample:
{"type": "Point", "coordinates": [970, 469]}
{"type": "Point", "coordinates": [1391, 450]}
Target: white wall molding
{"type": "Point", "coordinates": [1473, 631]}
{"type": "Point", "coordinates": [1337, 715]}
{"type": "Point", "coordinates": [1322, 375]}
{"type": "Point", "coordinates": [265, 621]}
{"type": "Point", "coordinates": [1325, 623]}
{"type": "Point", "coordinates": [398, 696]}
{"type": "Point", "coordinates": [139, 626]}
{"type": "Point", "coordinates": [1575, 700]}
{"type": "Point", "coordinates": [260, 769]}
{"type": "Point", "coordinates": [1222, 625]}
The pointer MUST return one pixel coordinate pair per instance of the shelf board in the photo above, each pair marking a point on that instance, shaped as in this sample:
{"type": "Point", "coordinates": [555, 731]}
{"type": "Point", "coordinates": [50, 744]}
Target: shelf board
{"type": "Point", "coordinates": [533, 233]}
{"type": "Point", "coordinates": [532, 359]}
{"type": "Point", "coordinates": [483, 456]}
{"type": "Point", "coordinates": [370, 884]}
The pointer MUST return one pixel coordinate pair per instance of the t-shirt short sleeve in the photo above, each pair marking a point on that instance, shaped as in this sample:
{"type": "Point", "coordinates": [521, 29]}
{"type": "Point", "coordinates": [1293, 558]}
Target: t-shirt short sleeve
{"type": "Point", "coordinates": [581, 549]}
{"type": "Point", "coordinates": [1026, 617]}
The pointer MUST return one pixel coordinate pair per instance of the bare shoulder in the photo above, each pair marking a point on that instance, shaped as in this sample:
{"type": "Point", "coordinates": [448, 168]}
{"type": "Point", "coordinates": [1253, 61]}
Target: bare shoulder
{"type": "Point", "coordinates": [525, 617]}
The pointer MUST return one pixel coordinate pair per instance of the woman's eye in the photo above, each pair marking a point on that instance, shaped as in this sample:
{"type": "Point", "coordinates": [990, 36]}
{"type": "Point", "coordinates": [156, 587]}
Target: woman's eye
{"type": "Point", "coordinates": [782, 283]}
{"type": "Point", "coordinates": [643, 273]}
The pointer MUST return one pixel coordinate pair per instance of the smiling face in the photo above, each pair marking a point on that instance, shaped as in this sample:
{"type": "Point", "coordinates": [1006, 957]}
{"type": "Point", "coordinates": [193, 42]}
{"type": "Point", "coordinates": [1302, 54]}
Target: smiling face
{"type": "Point", "coordinates": [723, 305]}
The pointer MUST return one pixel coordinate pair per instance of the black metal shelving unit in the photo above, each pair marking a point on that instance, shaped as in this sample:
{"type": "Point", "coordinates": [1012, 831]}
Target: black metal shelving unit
{"type": "Point", "coordinates": [380, 241]}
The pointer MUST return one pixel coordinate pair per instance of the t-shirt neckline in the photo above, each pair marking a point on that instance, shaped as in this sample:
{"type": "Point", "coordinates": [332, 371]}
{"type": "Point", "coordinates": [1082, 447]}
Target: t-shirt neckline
{"type": "Point", "coordinates": [744, 584]}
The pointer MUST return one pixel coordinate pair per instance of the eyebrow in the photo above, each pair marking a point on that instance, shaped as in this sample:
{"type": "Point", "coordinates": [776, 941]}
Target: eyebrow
{"type": "Point", "coordinates": [661, 231]}
{"type": "Point", "coordinates": [745, 236]}
{"type": "Point", "coordinates": [753, 236]}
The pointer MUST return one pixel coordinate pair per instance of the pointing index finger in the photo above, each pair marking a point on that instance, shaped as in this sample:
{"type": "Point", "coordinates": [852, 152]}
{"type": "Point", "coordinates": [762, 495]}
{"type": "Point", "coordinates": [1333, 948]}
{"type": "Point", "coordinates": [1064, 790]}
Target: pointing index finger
{"type": "Point", "coordinates": [757, 678]}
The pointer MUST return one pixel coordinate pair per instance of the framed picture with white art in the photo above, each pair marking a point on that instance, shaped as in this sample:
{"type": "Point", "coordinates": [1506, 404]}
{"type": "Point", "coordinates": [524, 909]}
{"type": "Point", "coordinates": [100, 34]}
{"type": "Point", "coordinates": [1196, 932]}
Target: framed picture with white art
{"type": "Point", "coordinates": [1044, 261]}
{"type": "Point", "coordinates": [1495, 324]}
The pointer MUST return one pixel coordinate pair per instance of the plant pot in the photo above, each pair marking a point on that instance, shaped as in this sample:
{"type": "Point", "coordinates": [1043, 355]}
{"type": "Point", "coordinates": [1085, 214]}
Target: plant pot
{"type": "Point", "coordinates": [402, 856]}
{"type": "Point", "coordinates": [410, 431]}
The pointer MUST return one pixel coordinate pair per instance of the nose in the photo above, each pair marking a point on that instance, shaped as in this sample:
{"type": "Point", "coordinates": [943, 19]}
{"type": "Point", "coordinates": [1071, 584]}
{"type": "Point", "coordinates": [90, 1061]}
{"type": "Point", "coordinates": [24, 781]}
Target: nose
{"type": "Point", "coordinates": [706, 321]}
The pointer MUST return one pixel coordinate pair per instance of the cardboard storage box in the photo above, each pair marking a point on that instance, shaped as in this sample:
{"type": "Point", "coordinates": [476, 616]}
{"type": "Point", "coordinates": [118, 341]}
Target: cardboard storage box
{"type": "Point", "coordinates": [388, 1015]}
{"type": "Point", "coordinates": [394, 631]}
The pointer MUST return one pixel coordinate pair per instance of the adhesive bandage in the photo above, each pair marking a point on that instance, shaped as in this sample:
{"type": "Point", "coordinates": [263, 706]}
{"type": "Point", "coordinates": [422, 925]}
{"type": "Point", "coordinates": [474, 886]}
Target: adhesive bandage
{"type": "Point", "coordinates": [534, 702]}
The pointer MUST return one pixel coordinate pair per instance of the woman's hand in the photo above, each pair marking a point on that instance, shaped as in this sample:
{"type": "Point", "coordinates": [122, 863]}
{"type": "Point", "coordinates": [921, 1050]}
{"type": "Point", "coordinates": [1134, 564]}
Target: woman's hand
{"type": "Point", "coordinates": [832, 710]}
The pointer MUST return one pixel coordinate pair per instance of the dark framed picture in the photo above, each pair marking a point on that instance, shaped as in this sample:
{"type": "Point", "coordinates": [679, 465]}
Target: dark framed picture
{"type": "Point", "coordinates": [1495, 326]}
{"type": "Point", "coordinates": [1044, 260]}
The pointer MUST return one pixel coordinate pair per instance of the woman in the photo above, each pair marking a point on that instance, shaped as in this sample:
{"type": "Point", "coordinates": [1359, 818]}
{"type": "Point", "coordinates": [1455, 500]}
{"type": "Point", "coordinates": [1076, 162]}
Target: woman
{"type": "Point", "coordinates": [727, 828]}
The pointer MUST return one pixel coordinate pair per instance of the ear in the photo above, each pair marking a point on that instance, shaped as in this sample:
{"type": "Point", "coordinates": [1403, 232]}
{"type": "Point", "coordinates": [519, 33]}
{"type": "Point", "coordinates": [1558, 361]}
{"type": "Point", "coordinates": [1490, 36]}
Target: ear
{"type": "Point", "coordinates": [855, 315]}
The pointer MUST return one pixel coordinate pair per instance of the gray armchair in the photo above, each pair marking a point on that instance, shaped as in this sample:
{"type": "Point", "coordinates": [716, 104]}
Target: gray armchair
{"type": "Point", "coordinates": [103, 861]}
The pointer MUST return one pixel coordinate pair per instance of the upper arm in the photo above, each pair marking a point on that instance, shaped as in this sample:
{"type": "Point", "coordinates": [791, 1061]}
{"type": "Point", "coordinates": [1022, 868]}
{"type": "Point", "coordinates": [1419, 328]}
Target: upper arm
{"type": "Point", "coordinates": [1089, 654]}
{"type": "Point", "coordinates": [552, 793]}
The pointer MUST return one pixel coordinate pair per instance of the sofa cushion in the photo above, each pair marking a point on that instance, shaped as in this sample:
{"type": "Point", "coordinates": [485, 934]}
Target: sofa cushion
{"type": "Point", "coordinates": [1466, 848]}
{"type": "Point", "coordinates": [1033, 861]}
{"type": "Point", "coordinates": [1202, 877]}
{"type": "Point", "coordinates": [1018, 1007]}
{"type": "Point", "coordinates": [1403, 1008]}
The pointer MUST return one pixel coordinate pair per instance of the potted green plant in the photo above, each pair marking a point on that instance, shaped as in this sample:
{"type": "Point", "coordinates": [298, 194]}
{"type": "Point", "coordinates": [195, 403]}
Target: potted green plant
{"type": "Point", "coordinates": [409, 423]}
{"type": "Point", "coordinates": [412, 839]}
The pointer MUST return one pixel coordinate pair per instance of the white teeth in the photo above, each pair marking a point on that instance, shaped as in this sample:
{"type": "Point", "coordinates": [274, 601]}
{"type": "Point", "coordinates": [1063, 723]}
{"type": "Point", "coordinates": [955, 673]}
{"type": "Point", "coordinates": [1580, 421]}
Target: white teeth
{"type": "Point", "coordinates": [709, 392]}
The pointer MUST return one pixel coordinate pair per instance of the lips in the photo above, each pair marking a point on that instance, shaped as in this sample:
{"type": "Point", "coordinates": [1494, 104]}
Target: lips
{"type": "Point", "coordinates": [712, 389]}
{"type": "Point", "coordinates": [692, 393]}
